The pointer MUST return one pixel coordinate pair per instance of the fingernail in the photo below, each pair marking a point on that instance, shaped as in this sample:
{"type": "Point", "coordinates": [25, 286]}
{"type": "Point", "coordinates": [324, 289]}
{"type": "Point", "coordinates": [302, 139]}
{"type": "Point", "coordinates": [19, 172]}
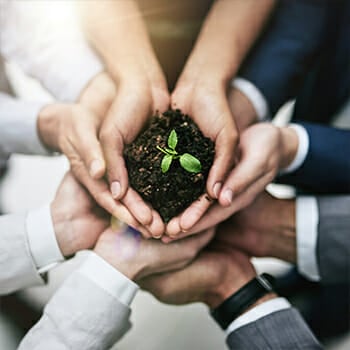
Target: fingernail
{"type": "Point", "coordinates": [95, 167]}
{"type": "Point", "coordinates": [216, 189]}
{"type": "Point", "coordinates": [115, 189]}
{"type": "Point", "coordinates": [228, 195]}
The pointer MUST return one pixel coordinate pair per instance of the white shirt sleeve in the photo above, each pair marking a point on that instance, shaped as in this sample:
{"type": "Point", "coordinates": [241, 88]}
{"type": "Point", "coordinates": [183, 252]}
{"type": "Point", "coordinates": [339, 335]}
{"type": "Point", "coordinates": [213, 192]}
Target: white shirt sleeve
{"type": "Point", "coordinates": [44, 39]}
{"type": "Point", "coordinates": [254, 95]}
{"type": "Point", "coordinates": [108, 278]}
{"type": "Point", "coordinates": [307, 219]}
{"type": "Point", "coordinates": [18, 127]}
{"type": "Point", "coordinates": [303, 149]}
{"type": "Point", "coordinates": [260, 311]}
{"type": "Point", "coordinates": [42, 239]}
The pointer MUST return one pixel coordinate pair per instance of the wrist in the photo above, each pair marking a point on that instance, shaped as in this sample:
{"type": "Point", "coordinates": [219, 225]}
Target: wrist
{"type": "Point", "coordinates": [242, 109]}
{"type": "Point", "coordinates": [49, 123]}
{"type": "Point", "coordinates": [290, 144]}
{"type": "Point", "coordinates": [225, 289]}
{"type": "Point", "coordinates": [282, 244]}
{"type": "Point", "coordinates": [128, 267]}
{"type": "Point", "coordinates": [62, 228]}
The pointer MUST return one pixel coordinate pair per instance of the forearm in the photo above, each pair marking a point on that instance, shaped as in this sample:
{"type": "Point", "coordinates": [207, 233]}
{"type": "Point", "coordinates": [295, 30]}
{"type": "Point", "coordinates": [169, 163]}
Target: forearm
{"type": "Point", "coordinates": [117, 31]}
{"type": "Point", "coordinates": [222, 44]}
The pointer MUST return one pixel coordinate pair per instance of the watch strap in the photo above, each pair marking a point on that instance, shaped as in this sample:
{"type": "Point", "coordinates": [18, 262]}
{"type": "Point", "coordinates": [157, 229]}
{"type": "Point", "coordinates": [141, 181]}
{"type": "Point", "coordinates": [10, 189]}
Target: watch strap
{"type": "Point", "coordinates": [241, 300]}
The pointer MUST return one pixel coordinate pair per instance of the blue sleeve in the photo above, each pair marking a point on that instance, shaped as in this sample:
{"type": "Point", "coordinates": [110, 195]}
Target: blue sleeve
{"type": "Point", "coordinates": [326, 168]}
{"type": "Point", "coordinates": [284, 53]}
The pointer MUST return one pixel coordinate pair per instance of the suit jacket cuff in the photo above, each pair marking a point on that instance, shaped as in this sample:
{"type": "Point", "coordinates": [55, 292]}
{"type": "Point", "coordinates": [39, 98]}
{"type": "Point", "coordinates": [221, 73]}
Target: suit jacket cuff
{"type": "Point", "coordinates": [262, 310]}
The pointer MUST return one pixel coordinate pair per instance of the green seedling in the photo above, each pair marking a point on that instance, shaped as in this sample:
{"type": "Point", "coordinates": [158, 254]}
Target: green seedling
{"type": "Point", "coordinates": [187, 161]}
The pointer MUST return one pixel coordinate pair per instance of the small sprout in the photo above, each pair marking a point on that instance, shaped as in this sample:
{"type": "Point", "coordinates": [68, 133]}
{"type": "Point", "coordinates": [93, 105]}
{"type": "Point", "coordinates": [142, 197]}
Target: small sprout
{"type": "Point", "coordinates": [166, 162]}
{"type": "Point", "coordinates": [172, 140]}
{"type": "Point", "coordinates": [190, 163]}
{"type": "Point", "coordinates": [187, 161]}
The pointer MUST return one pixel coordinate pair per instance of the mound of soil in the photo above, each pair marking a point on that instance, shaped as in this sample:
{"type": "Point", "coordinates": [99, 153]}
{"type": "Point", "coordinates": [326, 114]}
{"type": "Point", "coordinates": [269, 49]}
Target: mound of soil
{"type": "Point", "coordinates": [171, 192]}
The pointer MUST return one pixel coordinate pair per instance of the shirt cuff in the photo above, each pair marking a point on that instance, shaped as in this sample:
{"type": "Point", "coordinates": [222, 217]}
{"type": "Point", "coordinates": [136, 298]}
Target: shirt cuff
{"type": "Point", "coordinates": [19, 127]}
{"type": "Point", "coordinates": [42, 239]}
{"type": "Point", "coordinates": [260, 311]}
{"type": "Point", "coordinates": [107, 277]}
{"type": "Point", "coordinates": [307, 233]}
{"type": "Point", "coordinates": [303, 149]}
{"type": "Point", "coordinates": [254, 95]}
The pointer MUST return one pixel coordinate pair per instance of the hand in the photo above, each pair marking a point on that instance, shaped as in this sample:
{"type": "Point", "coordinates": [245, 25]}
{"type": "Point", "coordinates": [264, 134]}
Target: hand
{"type": "Point", "coordinates": [137, 99]}
{"type": "Point", "coordinates": [73, 130]}
{"type": "Point", "coordinates": [267, 228]}
{"type": "Point", "coordinates": [136, 257]}
{"type": "Point", "coordinates": [264, 149]}
{"type": "Point", "coordinates": [218, 272]}
{"type": "Point", "coordinates": [207, 104]}
{"type": "Point", "coordinates": [77, 220]}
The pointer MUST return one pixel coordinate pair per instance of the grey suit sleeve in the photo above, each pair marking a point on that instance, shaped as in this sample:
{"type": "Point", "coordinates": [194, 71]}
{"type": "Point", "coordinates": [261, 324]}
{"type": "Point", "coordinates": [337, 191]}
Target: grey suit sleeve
{"type": "Point", "coordinates": [283, 329]}
{"type": "Point", "coordinates": [17, 269]}
{"type": "Point", "coordinates": [333, 245]}
{"type": "Point", "coordinates": [81, 315]}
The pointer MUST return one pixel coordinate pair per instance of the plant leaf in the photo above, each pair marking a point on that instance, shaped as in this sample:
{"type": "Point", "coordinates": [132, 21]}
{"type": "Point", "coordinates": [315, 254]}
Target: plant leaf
{"type": "Point", "coordinates": [172, 140]}
{"type": "Point", "coordinates": [166, 162]}
{"type": "Point", "coordinates": [190, 163]}
{"type": "Point", "coordinates": [171, 151]}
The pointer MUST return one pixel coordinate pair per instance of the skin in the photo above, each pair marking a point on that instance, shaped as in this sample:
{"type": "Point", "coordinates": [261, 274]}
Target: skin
{"type": "Point", "coordinates": [117, 31]}
{"type": "Point", "coordinates": [77, 223]}
{"type": "Point", "coordinates": [72, 129]}
{"type": "Point", "coordinates": [138, 258]}
{"type": "Point", "coordinates": [264, 150]}
{"type": "Point", "coordinates": [218, 272]}
{"type": "Point", "coordinates": [81, 224]}
{"type": "Point", "coordinates": [203, 86]}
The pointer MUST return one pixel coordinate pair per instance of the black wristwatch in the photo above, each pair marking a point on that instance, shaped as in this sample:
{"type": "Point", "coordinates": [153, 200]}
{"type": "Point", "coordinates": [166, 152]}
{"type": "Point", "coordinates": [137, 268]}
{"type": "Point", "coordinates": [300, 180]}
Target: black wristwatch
{"type": "Point", "coordinates": [241, 300]}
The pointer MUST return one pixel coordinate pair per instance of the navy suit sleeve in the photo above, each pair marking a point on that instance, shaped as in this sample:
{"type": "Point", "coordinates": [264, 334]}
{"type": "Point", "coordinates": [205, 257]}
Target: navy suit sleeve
{"type": "Point", "coordinates": [283, 55]}
{"type": "Point", "coordinates": [326, 168]}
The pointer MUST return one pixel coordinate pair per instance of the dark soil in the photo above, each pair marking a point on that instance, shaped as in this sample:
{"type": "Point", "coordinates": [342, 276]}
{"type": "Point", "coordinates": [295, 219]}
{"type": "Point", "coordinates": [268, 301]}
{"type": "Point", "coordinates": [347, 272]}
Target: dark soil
{"type": "Point", "coordinates": [171, 192]}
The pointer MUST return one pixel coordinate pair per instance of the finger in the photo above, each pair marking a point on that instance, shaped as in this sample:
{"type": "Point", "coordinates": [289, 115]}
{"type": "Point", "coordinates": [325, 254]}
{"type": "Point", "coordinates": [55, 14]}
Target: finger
{"type": "Point", "coordinates": [249, 195]}
{"type": "Point", "coordinates": [100, 192]}
{"type": "Point", "coordinates": [225, 146]}
{"type": "Point", "coordinates": [88, 147]}
{"type": "Point", "coordinates": [157, 226]}
{"type": "Point", "coordinates": [141, 211]}
{"type": "Point", "coordinates": [217, 213]}
{"type": "Point", "coordinates": [180, 253]}
{"type": "Point", "coordinates": [189, 217]}
{"type": "Point", "coordinates": [125, 120]}
{"type": "Point", "coordinates": [248, 170]}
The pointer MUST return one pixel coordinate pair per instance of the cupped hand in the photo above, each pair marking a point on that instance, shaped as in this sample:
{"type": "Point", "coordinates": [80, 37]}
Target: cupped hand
{"type": "Point", "coordinates": [77, 219]}
{"type": "Point", "coordinates": [137, 100]}
{"type": "Point", "coordinates": [136, 257]}
{"type": "Point", "coordinates": [264, 149]}
{"type": "Point", "coordinates": [207, 104]}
